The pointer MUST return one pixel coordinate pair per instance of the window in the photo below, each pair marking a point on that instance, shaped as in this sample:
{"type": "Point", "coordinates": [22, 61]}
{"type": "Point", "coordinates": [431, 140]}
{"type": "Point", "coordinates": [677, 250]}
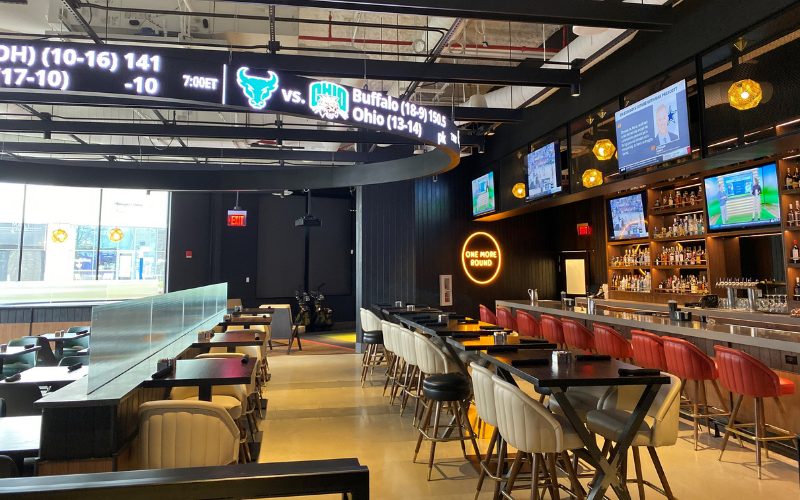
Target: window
{"type": "Point", "coordinates": [81, 243]}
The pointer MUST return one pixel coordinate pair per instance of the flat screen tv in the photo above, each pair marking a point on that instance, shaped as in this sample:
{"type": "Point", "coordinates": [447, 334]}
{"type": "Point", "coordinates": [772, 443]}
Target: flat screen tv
{"type": "Point", "coordinates": [544, 171]}
{"type": "Point", "coordinates": [653, 130]}
{"type": "Point", "coordinates": [483, 194]}
{"type": "Point", "coordinates": [744, 198]}
{"type": "Point", "coordinates": [627, 217]}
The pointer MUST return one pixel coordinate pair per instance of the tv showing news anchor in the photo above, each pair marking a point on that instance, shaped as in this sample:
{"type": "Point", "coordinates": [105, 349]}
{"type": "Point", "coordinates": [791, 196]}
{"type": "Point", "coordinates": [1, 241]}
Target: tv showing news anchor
{"type": "Point", "coordinates": [653, 130]}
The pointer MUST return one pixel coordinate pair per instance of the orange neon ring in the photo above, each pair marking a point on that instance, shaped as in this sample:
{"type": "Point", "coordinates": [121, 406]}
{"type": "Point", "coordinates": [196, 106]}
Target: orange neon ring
{"type": "Point", "coordinates": [499, 257]}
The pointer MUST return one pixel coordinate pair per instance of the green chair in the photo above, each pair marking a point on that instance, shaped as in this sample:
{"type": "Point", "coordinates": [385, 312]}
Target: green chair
{"type": "Point", "coordinates": [75, 329]}
{"type": "Point", "coordinates": [20, 362]}
{"type": "Point", "coordinates": [72, 348]}
{"type": "Point", "coordinates": [44, 356]}
{"type": "Point", "coordinates": [71, 360]}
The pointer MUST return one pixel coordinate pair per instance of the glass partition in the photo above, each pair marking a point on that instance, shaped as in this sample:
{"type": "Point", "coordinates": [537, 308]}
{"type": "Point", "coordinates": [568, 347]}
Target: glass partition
{"type": "Point", "coordinates": [126, 333]}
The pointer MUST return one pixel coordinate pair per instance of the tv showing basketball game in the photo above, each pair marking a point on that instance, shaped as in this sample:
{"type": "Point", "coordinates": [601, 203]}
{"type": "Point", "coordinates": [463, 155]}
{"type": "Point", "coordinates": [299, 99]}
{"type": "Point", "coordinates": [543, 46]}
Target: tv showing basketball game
{"type": "Point", "coordinates": [483, 194]}
{"type": "Point", "coordinates": [742, 199]}
{"type": "Point", "coordinates": [544, 171]}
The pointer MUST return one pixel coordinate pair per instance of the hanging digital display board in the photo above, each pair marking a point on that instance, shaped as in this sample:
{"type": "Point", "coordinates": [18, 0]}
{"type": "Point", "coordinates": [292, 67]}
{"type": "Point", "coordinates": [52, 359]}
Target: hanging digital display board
{"type": "Point", "coordinates": [185, 75]}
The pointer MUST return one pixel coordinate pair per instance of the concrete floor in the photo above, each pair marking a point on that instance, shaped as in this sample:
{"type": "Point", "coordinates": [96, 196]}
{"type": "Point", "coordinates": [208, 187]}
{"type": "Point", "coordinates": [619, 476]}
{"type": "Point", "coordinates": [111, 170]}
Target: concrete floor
{"type": "Point", "coordinates": [318, 410]}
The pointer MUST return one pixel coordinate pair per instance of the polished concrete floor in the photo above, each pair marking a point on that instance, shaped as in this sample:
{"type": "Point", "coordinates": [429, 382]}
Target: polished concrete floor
{"type": "Point", "coordinates": [318, 410]}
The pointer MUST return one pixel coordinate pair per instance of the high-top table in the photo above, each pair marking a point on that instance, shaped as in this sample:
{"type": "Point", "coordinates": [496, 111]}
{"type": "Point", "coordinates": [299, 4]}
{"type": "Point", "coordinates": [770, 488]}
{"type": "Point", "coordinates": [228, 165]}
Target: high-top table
{"type": "Point", "coordinates": [564, 371]}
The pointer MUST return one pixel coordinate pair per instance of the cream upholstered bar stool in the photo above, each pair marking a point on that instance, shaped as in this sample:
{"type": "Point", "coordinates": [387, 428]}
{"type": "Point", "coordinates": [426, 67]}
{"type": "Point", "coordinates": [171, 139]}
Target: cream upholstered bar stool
{"type": "Point", "coordinates": [393, 358]}
{"type": "Point", "coordinates": [372, 336]}
{"type": "Point", "coordinates": [174, 434]}
{"type": "Point", "coordinates": [659, 428]}
{"type": "Point", "coordinates": [413, 376]}
{"type": "Point", "coordinates": [543, 437]}
{"type": "Point", "coordinates": [443, 387]}
{"type": "Point", "coordinates": [483, 391]}
{"type": "Point", "coordinates": [399, 383]}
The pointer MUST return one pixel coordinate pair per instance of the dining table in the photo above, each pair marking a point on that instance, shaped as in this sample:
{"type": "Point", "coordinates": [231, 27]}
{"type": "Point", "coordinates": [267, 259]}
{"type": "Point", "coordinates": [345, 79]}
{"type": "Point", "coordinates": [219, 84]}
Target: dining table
{"type": "Point", "coordinates": [246, 321]}
{"type": "Point", "coordinates": [58, 341]}
{"type": "Point", "coordinates": [205, 373]}
{"type": "Point", "coordinates": [231, 340]}
{"type": "Point", "coordinates": [19, 437]}
{"type": "Point", "coordinates": [557, 371]}
{"type": "Point", "coordinates": [12, 351]}
{"type": "Point", "coordinates": [54, 377]}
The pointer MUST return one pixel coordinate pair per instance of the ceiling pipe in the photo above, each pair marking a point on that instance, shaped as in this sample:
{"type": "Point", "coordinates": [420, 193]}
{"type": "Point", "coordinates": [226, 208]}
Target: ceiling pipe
{"type": "Point", "coordinates": [583, 47]}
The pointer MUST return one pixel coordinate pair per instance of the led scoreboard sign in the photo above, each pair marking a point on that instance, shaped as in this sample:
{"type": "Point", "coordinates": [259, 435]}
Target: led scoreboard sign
{"type": "Point", "coordinates": [193, 76]}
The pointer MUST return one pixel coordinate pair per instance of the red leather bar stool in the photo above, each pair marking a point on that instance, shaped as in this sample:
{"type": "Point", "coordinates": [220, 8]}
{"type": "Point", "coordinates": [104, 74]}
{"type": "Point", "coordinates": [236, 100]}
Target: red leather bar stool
{"type": "Point", "coordinates": [744, 375]}
{"type": "Point", "coordinates": [687, 362]}
{"type": "Point", "coordinates": [648, 350]}
{"type": "Point", "coordinates": [577, 336]}
{"type": "Point", "coordinates": [529, 326]}
{"type": "Point", "coordinates": [608, 341]}
{"type": "Point", "coordinates": [487, 316]}
{"type": "Point", "coordinates": [552, 330]}
{"type": "Point", "coordinates": [506, 319]}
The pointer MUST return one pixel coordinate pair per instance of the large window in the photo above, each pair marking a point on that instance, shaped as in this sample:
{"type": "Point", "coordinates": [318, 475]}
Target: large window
{"type": "Point", "coordinates": [81, 243]}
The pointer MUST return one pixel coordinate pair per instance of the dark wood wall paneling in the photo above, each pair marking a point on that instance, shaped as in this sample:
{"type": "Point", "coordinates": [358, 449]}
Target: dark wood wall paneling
{"type": "Point", "coordinates": [388, 262]}
{"type": "Point", "coordinates": [46, 315]}
{"type": "Point", "coordinates": [404, 263]}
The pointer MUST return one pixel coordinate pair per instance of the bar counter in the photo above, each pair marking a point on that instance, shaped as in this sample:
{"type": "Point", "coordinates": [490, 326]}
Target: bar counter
{"type": "Point", "coordinates": [772, 346]}
{"type": "Point", "coordinates": [765, 338]}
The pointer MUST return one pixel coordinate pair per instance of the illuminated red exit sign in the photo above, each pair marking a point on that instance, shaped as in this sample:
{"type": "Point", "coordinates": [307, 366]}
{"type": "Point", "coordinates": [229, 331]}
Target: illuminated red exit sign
{"type": "Point", "coordinates": [584, 229]}
{"type": "Point", "coordinates": [237, 218]}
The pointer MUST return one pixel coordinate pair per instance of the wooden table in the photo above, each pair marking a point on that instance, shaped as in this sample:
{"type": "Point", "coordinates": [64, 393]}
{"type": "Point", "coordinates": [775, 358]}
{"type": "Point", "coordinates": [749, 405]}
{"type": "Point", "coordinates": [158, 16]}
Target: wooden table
{"type": "Point", "coordinates": [53, 376]}
{"type": "Point", "coordinates": [59, 341]}
{"type": "Point", "coordinates": [256, 310]}
{"type": "Point", "coordinates": [232, 340]}
{"type": "Point", "coordinates": [12, 351]}
{"type": "Point", "coordinates": [19, 436]}
{"type": "Point", "coordinates": [262, 320]}
{"type": "Point", "coordinates": [564, 371]}
{"type": "Point", "coordinates": [206, 373]}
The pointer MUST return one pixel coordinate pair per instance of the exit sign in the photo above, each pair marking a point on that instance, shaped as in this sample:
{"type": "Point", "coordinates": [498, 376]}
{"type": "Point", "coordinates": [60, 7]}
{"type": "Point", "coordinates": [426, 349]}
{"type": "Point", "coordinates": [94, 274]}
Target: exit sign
{"type": "Point", "coordinates": [584, 229]}
{"type": "Point", "coordinates": [237, 218]}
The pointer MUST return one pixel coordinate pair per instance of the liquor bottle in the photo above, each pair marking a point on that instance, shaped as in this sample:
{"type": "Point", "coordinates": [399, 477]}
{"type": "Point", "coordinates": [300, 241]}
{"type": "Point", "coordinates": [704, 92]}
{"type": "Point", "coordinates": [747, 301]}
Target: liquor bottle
{"type": "Point", "coordinates": [796, 179]}
{"type": "Point", "coordinates": [678, 198]}
{"type": "Point", "coordinates": [671, 200]}
{"type": "Point", "coordinates": [795, 253]}
{"type": "Point", "coordinates": [797, 289]}
{"type": "Point", "coordinates": [657, 205]}
{"type": "Point", "coordinates": [788, 181]}
{"type": "Point", "coordinates": [790, 216]}
{"type": "Point", "coordinates": [692, 198]}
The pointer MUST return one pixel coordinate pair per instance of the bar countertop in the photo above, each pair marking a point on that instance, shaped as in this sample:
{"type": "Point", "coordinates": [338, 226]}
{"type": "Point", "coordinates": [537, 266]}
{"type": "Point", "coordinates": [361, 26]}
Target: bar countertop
{"type": "Point", "coordinates": [758, 337]}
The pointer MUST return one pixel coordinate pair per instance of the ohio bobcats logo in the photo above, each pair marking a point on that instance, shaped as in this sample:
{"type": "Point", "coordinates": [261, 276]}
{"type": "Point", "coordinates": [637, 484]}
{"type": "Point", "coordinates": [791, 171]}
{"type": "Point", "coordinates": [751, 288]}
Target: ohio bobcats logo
{"type": "Point", "coordinates": [258, 90]}
{"type": "Point", "coordinates": [329, 100]}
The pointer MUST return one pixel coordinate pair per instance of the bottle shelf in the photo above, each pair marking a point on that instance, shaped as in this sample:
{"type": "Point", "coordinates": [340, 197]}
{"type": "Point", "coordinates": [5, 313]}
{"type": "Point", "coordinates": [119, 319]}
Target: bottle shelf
{"type": "Point", "coordinates": [697, 207]}
{"type": "Point", "coordinates": [676, 292]}
{"type": "Point", "coordinates": [793, 265]}
{"type": "Point", "coordinates": [632, 241]}
{"type": "Point", "coordinates": [682, 266]}
{"type": "Point", "coordinates": [629, 291]}
{"type": "Point", "coordinates": [694, 237]}
{"type": "Point", "coordinates": [629, 268]}
{"type": "Point", "coordinates": [793, 228]}
{"type": "Point", "coordinates": [783, 190]}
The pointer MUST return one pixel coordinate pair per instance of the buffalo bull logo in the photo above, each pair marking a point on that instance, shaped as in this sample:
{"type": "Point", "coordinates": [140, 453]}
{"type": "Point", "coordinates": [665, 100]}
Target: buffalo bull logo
{"type": "Point", "coordinates": [257, 89]}
{"type": "Point", "coordinates": [329, 100]}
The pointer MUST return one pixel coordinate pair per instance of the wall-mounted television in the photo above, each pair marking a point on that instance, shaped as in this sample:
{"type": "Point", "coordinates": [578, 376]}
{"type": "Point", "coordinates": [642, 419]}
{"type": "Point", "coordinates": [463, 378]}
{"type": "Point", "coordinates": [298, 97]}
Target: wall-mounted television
{"type": "Point", "coordinates": [653, 130]}
{"type": "Point", "coordinates": [483, 194]}
{"type": "Point", "coordinates": [744, 198]}
{"type": "Point", "coordinates": [626, 217]}
{"type": "Point", "coordinates": [543, 166]}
